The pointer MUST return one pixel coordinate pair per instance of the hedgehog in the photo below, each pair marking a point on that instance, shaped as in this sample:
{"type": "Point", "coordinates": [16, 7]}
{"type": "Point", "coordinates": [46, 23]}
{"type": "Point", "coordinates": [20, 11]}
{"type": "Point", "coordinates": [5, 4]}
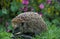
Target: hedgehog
{"type": "Point", "coordinates": [28, 23]}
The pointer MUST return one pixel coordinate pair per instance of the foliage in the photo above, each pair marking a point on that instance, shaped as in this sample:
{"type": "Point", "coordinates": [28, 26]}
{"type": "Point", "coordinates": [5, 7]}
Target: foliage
{"type": "Point", "coordinates": [3, 33]}
{"type": "Point", "coordinates": [48, 9]}
{"type": "Point", "coordinates": [12, 8]}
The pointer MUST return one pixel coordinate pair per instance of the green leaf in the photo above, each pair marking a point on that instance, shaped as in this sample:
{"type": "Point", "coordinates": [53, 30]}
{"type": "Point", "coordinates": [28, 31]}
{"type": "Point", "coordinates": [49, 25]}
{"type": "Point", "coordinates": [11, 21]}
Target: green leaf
{"type": "Point", "coordinates": [55, 21]}
{"type": "Point", "coordinates": [4, 11]}
{"type": "Point", "coordinates": [10, 27]}
{"type": "Point", "coordinates": [14, 8]}
{"type": "Point", "coordinates": [1, 13]}
{"type": "Point", "coordinates": [58, 7]}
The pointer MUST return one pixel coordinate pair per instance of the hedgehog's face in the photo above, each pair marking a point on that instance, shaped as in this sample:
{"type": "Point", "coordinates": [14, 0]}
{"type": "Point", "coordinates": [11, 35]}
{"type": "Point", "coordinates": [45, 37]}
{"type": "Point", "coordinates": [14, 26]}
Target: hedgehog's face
{"type": "Point", "coordinates": [20, 30]}
{"type": "Point", "coordinates": [14, 25]}
{"type": "Point", "coordinates": [19, 26]}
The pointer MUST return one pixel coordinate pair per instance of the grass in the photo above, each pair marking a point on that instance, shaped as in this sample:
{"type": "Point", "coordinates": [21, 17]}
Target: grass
{"type": "Point", "coordinates": [3, 33]}
{"type": "Point", "coordinates": [53, 32]}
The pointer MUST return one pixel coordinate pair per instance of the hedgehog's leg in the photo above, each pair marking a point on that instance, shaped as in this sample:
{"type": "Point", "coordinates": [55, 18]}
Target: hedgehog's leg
{"type": "Point", "coordinates": [23, 36]}
{"type": "Point", "coordinates": [26, 37]}
{"type": "Point", "coordinates": [16, 33]}
{"type": "Point", "coordinates": [13, 36]}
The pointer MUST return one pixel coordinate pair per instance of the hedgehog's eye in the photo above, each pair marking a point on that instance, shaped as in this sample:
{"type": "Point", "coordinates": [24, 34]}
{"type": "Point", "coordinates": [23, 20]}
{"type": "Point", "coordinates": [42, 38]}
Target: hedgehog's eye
{"type": "Point", "coordinates": [22, 24]}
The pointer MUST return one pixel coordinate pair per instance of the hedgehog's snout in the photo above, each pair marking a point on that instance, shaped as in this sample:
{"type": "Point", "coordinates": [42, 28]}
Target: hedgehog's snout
{"type": "Point", "coordinates": [16, 30]}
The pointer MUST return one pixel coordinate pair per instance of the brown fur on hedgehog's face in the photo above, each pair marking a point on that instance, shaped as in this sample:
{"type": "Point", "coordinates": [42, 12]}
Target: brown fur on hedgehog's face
{"type": "Point", "coordinates": [18, 26]}
{"type": "Point", "coordinates": [16, 21]}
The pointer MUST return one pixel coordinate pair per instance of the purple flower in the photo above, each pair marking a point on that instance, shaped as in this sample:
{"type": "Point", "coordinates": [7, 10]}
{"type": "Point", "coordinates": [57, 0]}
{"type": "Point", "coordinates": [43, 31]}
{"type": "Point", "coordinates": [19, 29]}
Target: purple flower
{"type": "Point", "coordinates": [25, 2]}
{"type": "Point", "coordinates": [40, 13]}
{"type": "Point", "coordinates": [8, 30]}
{"type": "Point", "coordinates": [48, 1]}
{"type": "Point", "coordinates": [25, 9]}
{"type": "Point", "coordinates": [30, 8]}
{"type": "Point", "coordinates": [41, 6]}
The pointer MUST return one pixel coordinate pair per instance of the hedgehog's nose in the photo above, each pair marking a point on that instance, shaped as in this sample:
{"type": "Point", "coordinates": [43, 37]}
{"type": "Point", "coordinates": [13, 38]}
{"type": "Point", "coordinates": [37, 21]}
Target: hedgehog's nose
{"type": "Point", "coordinates": [10, 31]}
{"type": "Point", "coordinates": [16, 31]}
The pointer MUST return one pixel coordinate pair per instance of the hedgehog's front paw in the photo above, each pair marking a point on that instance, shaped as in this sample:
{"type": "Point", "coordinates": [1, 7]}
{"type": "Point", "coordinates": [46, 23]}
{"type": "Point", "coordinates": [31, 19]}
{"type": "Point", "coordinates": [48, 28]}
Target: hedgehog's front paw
{"type": "Point", "coordinates": [13, 37]}
{"type": "Point", "coordinates": [26, 37]}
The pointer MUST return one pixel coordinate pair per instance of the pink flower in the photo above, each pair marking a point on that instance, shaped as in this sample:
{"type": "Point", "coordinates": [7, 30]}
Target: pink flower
{"type": "Point", "coordinates": [41, 15]}
{"type": "Point", "coordinates": [48, 1]}
{"type": "Point", "coordinates": [8, 30]}
{"type": "Point", "coordinates": [25, 2]}
{"type": "Point", "coordinates": [25, 9]}
{"type": "Point", "coordinates": [41, 6]}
